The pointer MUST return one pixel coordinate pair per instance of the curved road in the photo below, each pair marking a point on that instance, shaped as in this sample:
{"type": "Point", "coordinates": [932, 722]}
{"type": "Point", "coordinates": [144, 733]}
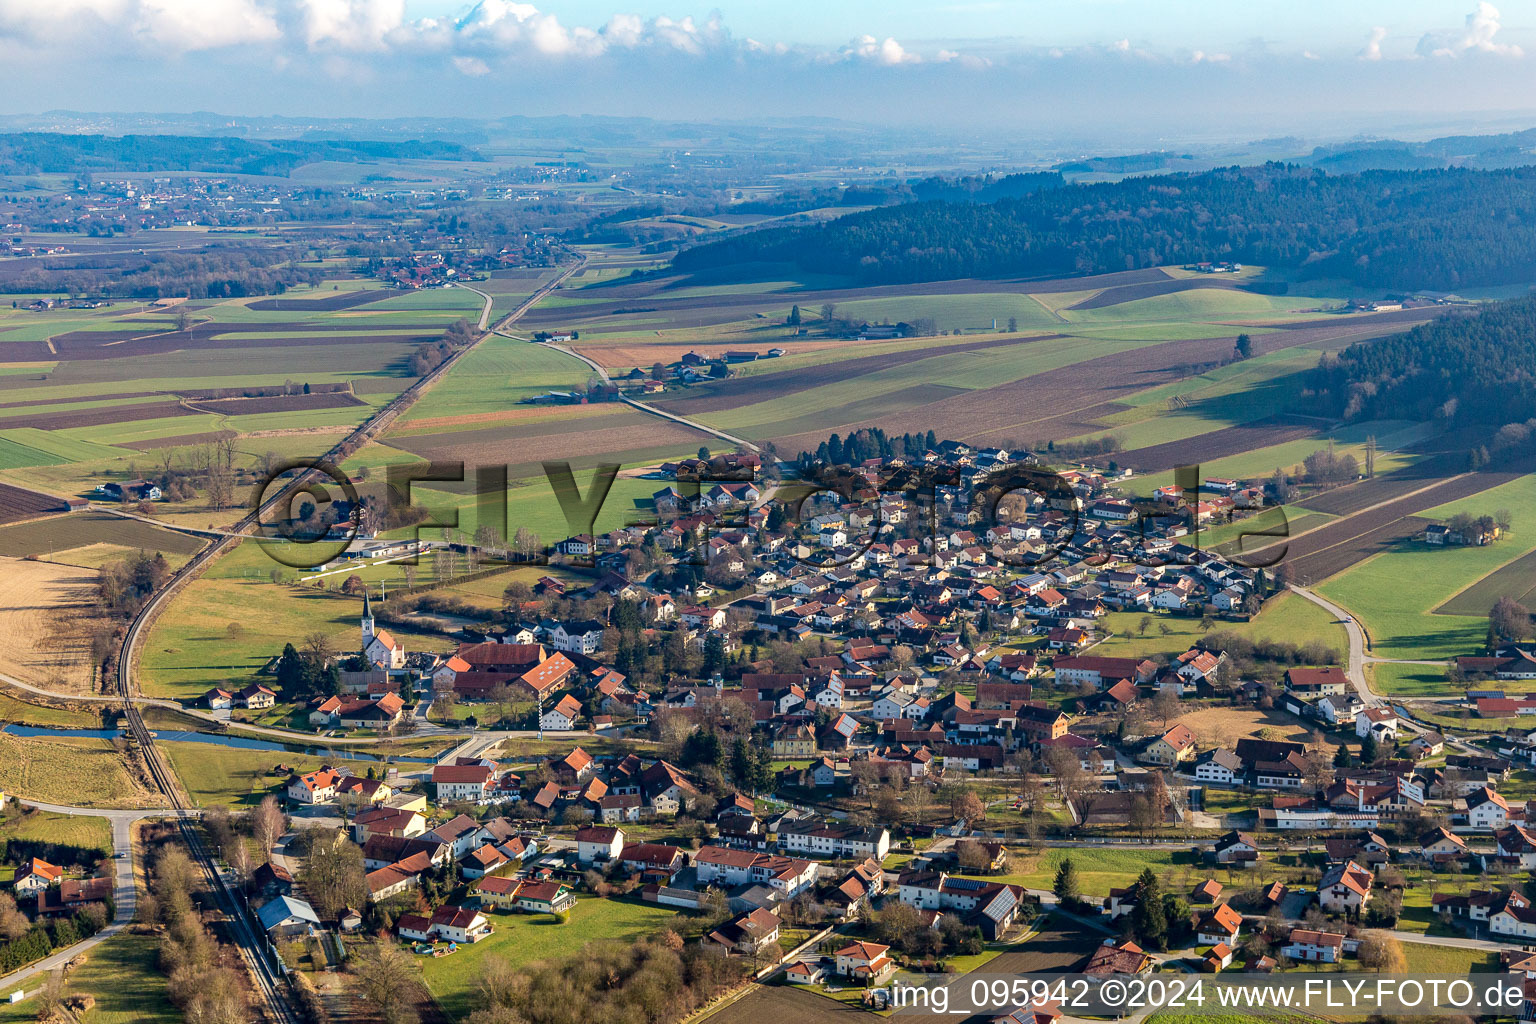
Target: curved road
{"type": "Point", "coordinates": [485, 314]}
{"type": "Point", "coordinates": [1355, 669]}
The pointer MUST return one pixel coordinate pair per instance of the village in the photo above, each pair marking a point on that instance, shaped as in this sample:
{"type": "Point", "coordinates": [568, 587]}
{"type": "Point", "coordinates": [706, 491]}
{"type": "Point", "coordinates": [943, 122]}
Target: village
{"type": "Point", "coordinates": [836, 747]}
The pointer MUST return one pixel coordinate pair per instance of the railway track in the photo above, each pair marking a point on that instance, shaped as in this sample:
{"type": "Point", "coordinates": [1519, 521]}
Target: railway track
{"type": "Point", "coordinates": [271, 982]}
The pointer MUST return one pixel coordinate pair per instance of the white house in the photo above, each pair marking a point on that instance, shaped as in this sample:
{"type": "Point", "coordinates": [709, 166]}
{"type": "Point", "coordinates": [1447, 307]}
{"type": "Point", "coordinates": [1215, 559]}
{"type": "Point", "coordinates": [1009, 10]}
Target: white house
{"type": "Point", "coordinates": [1486, 809]}
{"type": "Point", "coordinates": [1377, 722]}
{"type": "Point", "coordinates": [1314, 946]}
{"type": "Point", "coordinates": [316, 787]}
{"type": "Point", "coordinates": [598, 844]}
{"type": "Point", "coordinates": [582, 637]}
{"type": "Point", "coordinates": [563, 716]}
{"type": "Point", "coordinates": [1346, 887]}
{"type": "Point", "coordinates": [1220, 766]}
{"type": "Point", "coordinates": [727, 867]}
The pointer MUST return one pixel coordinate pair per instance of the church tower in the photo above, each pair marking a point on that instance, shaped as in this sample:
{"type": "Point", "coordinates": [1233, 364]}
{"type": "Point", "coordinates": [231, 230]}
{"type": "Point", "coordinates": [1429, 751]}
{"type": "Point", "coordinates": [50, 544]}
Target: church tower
{"type": "Point", "coordinates": [367, 619]}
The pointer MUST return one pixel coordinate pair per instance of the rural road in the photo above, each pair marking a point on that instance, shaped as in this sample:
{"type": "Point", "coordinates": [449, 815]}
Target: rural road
{"type": "Point", "coordinates": [1355, 669]}
{"type": "Point", "coordinates": [124, 894]}
{"type": "Point", "coordinates": [485, 314]}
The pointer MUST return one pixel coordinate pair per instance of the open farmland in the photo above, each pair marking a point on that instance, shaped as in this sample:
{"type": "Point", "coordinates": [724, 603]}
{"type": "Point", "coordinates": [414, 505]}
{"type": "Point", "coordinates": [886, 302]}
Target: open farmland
{"type": "Point", "coordinates": [328, 304]}
{"type": "Point", "coordinates": [1076, 396]}
{"type": "Point", "coordinates": [1216, 444]}
{"type": "Point", "coordinates": [1515, 580]}
{"type": "Point", "coordinates": [1116, 294]}
{"type": "Point", "coordinates": [81, 528]}
{"type": "Point", "coordinates": [48, 619]}
{"type": "Point", "coordinates": [1416, 600]}
{"type": "Point", "coordinates": [276, 403]}
{"type": "Point", "coordinates": [1344, 542]}
{"type": "Point", "coordinates": [624, 435]}
{"type": "Point", "coordinates": [17, 503]}
{"type": "Point", "coordinates": [93, 772]}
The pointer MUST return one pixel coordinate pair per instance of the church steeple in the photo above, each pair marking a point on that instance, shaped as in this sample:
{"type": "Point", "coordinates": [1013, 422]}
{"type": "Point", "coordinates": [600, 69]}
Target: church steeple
{"type": "Point", "coordinates": [367, 618]}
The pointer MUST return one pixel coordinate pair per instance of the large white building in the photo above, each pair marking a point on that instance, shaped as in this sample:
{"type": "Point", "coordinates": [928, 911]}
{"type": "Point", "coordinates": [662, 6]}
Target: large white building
{"type": "Point", "coordinates": [721, 865]}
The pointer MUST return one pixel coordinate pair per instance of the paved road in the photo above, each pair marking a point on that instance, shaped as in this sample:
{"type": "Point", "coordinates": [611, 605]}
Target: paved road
{"type": "Point", "coordinates": [1356, 667]}
{"type": "Point", "coordinates": [485, 314]}
{"type": "Point", "coordinates": [124, 894]}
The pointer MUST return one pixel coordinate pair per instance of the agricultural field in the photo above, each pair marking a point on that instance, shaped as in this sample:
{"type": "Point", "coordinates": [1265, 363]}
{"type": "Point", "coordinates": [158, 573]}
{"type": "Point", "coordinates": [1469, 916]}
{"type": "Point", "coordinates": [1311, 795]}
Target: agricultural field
{"type": "Point", "coordinates": [128, 390]}
{"type": "Point", "coordinates": [523, 939]}
{"type": "Point", "coordinates": [1285, 618]}
{"type": "Point", "coordinates": [78, 830]}
{"type": "Point", "coordinates": [1409, 596]}
{"type": "Point", "coordinates": [91, 772]}
{"type": "Point", "coordinates": [49, 619]}
{"type": "Point", "coordinates": [81, 529]}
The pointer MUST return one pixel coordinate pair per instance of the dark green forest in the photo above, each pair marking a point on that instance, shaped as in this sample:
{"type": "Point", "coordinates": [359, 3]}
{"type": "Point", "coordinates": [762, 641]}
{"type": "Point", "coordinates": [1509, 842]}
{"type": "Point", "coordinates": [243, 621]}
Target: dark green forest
{"type": "Point", "coordinates": [1475, 369]}
{"type": "Point", "coordinates": [1411, 230]}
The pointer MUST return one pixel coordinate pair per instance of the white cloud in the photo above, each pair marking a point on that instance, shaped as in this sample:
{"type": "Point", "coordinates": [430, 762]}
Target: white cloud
{"type": "Point", "coordinates": [474, 67]}
{"type": "Point", "coordinates": [887, 51]}
{"type": "Point", "coordinates": [174, 25]}
{"type": "Point", "coordinates": [351, 24]}
{"type": "Point", "coordinates": [204, 24]}
{"type": "Point", "coordinates": [1372, 49]}
{"type": "Point", "coordinates": [1121, 46]}
{"type": "Point", "coordinates": [1201, 57]}
{"type": "Point", "coordinates": [1476, 35]}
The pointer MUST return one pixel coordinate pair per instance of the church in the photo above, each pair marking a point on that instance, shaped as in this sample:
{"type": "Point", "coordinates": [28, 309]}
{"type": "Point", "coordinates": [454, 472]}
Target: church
{"type": "Point", "coordinates": [378, 646]}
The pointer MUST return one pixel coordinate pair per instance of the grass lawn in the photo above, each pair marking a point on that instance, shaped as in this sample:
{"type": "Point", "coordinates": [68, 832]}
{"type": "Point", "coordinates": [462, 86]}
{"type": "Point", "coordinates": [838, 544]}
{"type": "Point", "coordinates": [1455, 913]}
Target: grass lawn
{"type": "Point", "coordinates": [190, 648]}
{"type": "Point", "coordinates": [522, 939]}
{"type": "Point", "coordinates": [65, 829]}
{"type": "Point", "coordinates": [235, 776]}
{"type": "Point", "coordinates": [1425, 960]}
{"type": "Point", "coordinates": [1285, 618]}
{"type": "Point", "coordinates": [122, 976]}
{"type": "Point", "coordinates": [1098, 871]}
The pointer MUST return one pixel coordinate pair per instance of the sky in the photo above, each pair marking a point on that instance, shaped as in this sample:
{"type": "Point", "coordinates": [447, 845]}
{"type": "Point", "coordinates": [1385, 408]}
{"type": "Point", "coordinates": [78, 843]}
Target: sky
{"type": "Point", "coordinates": [1187, 69]}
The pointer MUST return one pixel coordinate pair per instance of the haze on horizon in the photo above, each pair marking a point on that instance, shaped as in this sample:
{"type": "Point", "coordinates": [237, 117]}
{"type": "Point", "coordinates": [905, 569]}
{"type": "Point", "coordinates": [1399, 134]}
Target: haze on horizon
{"type": "Point", "coordinates": [1187, 70]}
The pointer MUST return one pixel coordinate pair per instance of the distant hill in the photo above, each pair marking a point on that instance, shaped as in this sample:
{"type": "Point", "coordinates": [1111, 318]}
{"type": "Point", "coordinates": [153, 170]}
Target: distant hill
{"type": "Point", "coordinates": [56, 153]}
{"type": "Point", "coordinates": [1422, 229]}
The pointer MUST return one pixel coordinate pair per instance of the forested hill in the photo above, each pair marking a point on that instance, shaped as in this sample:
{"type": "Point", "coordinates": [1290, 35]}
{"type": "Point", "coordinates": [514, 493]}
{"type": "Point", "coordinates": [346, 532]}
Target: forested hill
{"type": "Point", "coordinates": [1436, 230]}
{"type": "Point", "coordinates": [59, 153]}
{"type": "Point", "coordinates": [1478, 369]}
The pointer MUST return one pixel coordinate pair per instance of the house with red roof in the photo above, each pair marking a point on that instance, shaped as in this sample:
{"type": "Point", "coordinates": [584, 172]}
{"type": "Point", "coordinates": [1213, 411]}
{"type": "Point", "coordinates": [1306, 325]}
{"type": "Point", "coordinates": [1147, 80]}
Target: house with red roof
{"type": "Point", "coordinates": [868, 962]}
